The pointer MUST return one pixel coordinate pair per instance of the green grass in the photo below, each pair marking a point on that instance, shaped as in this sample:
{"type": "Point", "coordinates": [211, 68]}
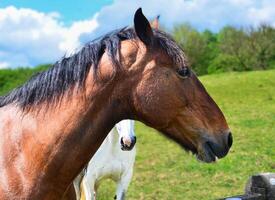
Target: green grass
{"type": "Point", "coordinates": [11, 78]}
{"type": "Point", "coordinates": [164, 171]}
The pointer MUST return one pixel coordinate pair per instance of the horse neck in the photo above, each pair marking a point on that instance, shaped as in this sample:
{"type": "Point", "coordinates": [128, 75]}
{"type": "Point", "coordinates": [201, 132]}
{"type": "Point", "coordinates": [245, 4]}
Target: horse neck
{"type": "Point", "coordinates": [75, 130]}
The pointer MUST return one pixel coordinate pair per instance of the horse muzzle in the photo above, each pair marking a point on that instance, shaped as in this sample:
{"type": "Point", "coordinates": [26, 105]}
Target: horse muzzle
{"type": "Point", "coordinates": [211, 151]}
{"type": "Point", "coordinates": [127, 144]}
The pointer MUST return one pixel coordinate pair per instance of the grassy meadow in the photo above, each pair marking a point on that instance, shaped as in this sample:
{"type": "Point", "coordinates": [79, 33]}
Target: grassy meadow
{"type": "Point", "coordinates": [164, 171]}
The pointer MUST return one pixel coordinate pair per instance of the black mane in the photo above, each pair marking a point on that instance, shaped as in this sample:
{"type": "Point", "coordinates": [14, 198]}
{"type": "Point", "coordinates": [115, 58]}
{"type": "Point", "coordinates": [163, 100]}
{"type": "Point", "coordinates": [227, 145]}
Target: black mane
{"type": "Point", "coordinates": [51, 84]}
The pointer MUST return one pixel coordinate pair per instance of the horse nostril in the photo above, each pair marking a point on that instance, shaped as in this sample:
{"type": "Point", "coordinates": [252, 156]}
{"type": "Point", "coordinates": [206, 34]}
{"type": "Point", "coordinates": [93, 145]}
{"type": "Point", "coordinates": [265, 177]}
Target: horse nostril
{"type": "Point", "coordinates": [134, 139]}
{"type": "Point", "coordinates": [121, 141]}
{"type": "Point", "coordinates": [230, 140]}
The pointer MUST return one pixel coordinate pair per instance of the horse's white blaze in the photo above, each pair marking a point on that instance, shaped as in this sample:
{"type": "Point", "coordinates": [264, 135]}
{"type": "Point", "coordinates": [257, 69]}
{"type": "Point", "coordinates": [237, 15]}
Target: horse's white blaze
{"type": "Point", "coordinates": [110, 162]}
{"type": "Point", "coordinates": [125, 129]}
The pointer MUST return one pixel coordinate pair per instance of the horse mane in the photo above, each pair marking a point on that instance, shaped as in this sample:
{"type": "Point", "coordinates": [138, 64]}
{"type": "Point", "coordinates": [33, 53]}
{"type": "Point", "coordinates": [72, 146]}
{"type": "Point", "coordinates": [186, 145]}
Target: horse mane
{"type": "Point", "coordinates": [50, 85]}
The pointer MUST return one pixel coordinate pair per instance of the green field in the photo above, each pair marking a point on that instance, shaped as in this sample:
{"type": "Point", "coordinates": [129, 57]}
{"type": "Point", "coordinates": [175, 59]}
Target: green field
{"type": "Point", "coordinates": [164, 171]}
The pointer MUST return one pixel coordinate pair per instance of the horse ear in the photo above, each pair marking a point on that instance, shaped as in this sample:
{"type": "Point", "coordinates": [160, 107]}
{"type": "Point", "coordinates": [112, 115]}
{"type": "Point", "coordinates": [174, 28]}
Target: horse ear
{"type": "Point", "coordinates": [155, 23]}
{"type": "Point", "coordinates": [143, 28]}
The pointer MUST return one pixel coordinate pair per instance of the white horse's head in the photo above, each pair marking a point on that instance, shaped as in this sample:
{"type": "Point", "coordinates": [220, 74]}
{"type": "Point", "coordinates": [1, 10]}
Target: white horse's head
{"type": "Point", "coordinates": [125, 129]}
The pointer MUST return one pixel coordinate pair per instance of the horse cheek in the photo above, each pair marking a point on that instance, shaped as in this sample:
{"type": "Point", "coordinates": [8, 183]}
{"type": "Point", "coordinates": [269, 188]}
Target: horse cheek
{"type": "Point", "coordinates": [154, 102]}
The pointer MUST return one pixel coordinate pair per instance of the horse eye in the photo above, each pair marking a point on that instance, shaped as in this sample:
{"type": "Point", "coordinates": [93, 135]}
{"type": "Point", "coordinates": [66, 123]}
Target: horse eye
{"type": "Point", "coordinates": [184, 72]}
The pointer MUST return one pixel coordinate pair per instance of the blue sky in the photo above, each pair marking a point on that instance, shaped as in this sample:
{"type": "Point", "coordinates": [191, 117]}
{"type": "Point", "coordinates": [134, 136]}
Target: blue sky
{"type": "Point", "coordinates": [70, 10]}
{"type": "Point", "coordinates": [39, 31]}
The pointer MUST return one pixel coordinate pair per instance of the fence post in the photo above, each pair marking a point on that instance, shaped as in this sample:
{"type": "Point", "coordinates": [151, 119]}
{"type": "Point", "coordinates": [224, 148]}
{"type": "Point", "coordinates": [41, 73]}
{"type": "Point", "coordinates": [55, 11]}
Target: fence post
{"type": "Point", "coordinates": [258, 187]}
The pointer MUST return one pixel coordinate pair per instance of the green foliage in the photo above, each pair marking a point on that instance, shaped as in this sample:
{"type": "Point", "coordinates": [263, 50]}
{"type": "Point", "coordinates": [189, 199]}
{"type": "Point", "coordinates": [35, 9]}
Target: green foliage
{"type": "Point", "coordinates": [195, 46]}
{"type": "Point", "coordinates": [231, 44]}
{"type": "Point", "coordinates": [11, 78]}
{"type": "Point", "coordinates": [223, 63]}
{"type": "Point", "coordinates": [231, 49]}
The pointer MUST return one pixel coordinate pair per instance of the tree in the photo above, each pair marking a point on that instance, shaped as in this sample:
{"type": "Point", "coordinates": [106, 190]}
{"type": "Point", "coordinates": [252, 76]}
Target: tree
{"type": "Point", "coordinates": [232, 49]}
{"type": "Point", "coordinates": [194, 45]}
{"type": "Point", "coordinates": [261, 46]}
{"type": "Point", "coordinates": [232, 42]}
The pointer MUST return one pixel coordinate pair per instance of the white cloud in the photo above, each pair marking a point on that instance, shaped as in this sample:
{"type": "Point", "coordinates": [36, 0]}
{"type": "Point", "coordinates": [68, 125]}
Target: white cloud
{"type": "Point", "coordinates": [29, 37]}
{"type": "Point", "coordinates": [72, 34]}
{"type": "Point", "coordinates": [263, 14]}
{"type": "Point", "coordinates": [4, 65]}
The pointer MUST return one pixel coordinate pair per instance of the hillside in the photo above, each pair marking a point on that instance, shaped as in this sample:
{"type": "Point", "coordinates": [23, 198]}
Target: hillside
{"type": "Point", "coordinates": [164, 171]}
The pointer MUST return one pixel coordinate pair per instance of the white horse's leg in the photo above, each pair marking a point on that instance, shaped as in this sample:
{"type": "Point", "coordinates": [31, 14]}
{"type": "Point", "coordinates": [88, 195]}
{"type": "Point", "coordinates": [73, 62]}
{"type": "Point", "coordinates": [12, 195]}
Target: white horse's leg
{"type": "Point", "coordinates": [77, 188]}
{"type": "Point", "coordinates": [123, 184]}
{"type": "Point", "coordinates": [77, 182]}
{"type": "Point", "coordinates": [88, 187]}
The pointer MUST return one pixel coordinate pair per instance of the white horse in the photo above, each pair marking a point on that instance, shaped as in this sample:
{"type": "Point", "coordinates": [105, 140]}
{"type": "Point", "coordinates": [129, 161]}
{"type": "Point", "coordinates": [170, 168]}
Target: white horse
{"type": "Point", "coordinates": [110, 162]}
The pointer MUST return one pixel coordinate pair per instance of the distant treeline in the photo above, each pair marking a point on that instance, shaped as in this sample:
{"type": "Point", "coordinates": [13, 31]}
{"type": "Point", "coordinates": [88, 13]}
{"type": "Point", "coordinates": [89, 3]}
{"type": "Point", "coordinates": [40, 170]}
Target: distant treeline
{"type": "Point", "coordinates": [231, 49]}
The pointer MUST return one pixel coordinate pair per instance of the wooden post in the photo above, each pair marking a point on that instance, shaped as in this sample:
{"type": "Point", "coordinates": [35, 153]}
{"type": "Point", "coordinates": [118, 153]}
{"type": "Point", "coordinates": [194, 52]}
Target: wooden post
{"type": "Point", "coordinates": [258, 187]}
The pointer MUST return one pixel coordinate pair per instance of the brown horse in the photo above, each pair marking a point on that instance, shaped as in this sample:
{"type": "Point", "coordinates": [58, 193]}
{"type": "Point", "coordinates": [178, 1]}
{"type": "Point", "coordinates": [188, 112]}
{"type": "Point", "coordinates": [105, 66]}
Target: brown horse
{"type": "Point", "coordinates": [64, 113]}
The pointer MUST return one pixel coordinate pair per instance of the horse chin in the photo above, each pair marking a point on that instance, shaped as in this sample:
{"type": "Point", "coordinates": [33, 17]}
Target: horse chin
{"type": "Point", "coordinates": [207, 158]}
{"type": "Point", "coordinates": [205, 154]}
{"type": "Point", "coordinates": [126, 148]}
{"type": "Point", "coordinates": [202, 152]}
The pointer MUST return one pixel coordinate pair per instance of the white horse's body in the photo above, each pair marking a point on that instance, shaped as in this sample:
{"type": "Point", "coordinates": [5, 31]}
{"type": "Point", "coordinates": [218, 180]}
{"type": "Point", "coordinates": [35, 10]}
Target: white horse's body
{"type": "Point", "coordinates": [110, 162]}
